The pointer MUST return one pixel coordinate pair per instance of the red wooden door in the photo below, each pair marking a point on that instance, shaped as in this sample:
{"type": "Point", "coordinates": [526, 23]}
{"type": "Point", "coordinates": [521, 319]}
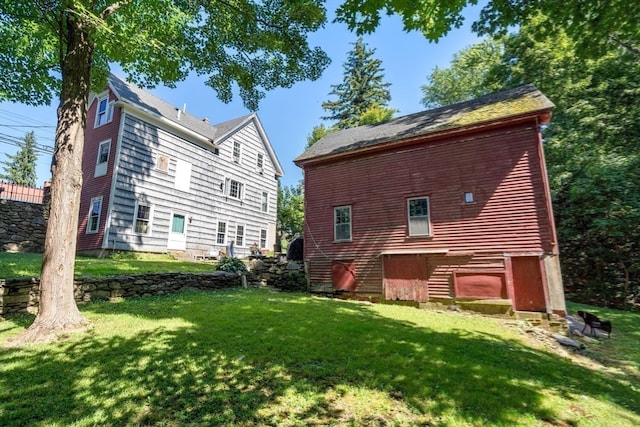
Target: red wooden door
{"type": "Point", "coordinates": [528, 291]}
{"type": "Point", "coordinates": [405, 278]}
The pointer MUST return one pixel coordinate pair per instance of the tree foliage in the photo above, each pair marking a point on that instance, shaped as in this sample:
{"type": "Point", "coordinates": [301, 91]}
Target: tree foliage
{"type": "Point", "coordinates": [592, 148]}
{"type": "Point", "coordinates": [21, 167]}
{"type": "Point", "coordinates": [290, 211]}
{"type": "Point", "coordinates": [361, 90]}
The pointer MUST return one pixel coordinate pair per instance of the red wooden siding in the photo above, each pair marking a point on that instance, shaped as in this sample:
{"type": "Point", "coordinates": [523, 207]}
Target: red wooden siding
{"type": "Point", "coordinates": [343, 275]}
{"type": "Point", "coordinates": [100, 186]}
{"type": "Point", "coordinates": [528, 290]}
{"type": "Point", "coordinates": [509, 213]}
{"type": "Point", "coordinates": [405, 278]}
{"type": "Point", "coordinates": [480, 284]}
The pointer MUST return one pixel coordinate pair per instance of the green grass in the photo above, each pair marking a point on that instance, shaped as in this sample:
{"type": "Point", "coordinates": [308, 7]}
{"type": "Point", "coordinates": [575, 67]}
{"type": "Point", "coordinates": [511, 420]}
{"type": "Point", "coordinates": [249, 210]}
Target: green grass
{"type": "Point", "coordinates": [28, 265]}
{"type": "Point", "coordinates": [252, 357]}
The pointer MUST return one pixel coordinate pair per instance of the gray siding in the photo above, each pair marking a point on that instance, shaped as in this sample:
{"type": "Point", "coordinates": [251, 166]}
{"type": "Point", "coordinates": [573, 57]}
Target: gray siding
{"type": "Point", "coordinates": [205, 203]}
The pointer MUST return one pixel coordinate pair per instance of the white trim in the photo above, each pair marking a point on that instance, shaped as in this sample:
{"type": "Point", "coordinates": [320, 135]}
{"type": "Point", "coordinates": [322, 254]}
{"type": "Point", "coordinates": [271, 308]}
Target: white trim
{"type": "Point", "coordinates": [226, 232]}
{"type": "Point", "coordinates": [335, 238]}
{"type": "Point", "coordinates": [101, 167]}
{"type": "Point", "coordinates": [88, 229]}
{"type": "Point", "coordinates": [244, 236]}
{"type": "Point", "coordinates": [108, 112]}
{"type": "Point", "coordinates": [429, 232]}
{"type": "Point", "coordinates": [135, 218]}
{"type": "Point", "coordinates": [114, 172]}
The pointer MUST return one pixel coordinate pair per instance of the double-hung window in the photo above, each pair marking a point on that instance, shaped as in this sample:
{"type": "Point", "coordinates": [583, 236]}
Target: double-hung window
{"type": "Point", "coordinates": [263, 238]}
{"type": "Point", "coordinates": [104, 112]}
{"type": "Point", "coordinates": [265, 201]}
{"type": "Point", "coordinates": [239, 235]}
{"type": "Point", "coordinates": [142, 218]}
{"type": "Point", "coordinates": [342, 223]}
{"type": "Point", "coordinates": [103, 158]}
{"type": "Point", "coordinates": [236, 151]}
{"type": "Point", "coordinates": [235, 189]}
{"type": "Point", "coordinates": [418, 216]}
{"type": "Point", "coordinates": [95, 208]}
{"type": "Point", "coordinates": [222, 233]}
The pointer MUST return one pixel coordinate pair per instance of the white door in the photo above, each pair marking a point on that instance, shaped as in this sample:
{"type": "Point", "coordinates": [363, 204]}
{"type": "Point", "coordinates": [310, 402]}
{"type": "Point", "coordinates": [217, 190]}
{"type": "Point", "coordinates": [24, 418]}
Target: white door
{"type": "Point", "coordinates": [178, 232]}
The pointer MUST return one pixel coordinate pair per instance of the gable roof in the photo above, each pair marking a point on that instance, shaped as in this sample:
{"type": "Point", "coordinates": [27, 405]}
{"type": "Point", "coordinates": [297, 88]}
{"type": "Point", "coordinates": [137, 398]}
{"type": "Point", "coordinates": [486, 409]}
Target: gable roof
{"type": "Point", "coordinates": [143, 101]}
{"type": "Point", "coordinates": [522, 101]}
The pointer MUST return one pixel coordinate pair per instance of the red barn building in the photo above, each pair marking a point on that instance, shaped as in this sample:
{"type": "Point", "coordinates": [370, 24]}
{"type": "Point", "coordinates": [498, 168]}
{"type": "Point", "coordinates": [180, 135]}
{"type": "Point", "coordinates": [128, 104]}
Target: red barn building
{"type": "Point", "coordinates": [445, 205]}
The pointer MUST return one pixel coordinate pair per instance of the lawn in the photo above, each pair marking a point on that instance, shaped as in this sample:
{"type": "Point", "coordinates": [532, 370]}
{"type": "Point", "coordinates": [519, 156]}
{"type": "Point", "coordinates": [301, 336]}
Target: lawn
{"type": "Point", "coordinates": [255, 357]}
{"type": "Point", "coordinates": [28, 265]}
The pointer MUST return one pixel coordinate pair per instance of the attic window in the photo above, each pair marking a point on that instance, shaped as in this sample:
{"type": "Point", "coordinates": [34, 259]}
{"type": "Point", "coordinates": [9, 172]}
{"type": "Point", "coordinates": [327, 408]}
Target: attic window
{"type": "Point", "coordinates": [104, 111]}
{"type": "Point", "coordinates": [236, 152]}
{"type": "Point", "coordinates": [468, 197]}
{"type": "Point", "coordinates": [260, 163]}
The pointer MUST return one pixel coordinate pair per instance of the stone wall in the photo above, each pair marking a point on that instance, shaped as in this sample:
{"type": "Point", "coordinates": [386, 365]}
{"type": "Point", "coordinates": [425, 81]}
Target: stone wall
{"type": "Point", "coordinates": [277, 273]}
{"type": "Point", "coordinates": [18, 295]}
{"type": "Point", "coordinates": [23, 225]}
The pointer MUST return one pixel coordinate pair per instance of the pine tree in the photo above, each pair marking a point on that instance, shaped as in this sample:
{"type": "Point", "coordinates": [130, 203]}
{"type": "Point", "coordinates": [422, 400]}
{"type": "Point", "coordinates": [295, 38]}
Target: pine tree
{"type": "Point", "coordinates": [21, 167]}
{"type": "Point", "coordinates": [362, 89]}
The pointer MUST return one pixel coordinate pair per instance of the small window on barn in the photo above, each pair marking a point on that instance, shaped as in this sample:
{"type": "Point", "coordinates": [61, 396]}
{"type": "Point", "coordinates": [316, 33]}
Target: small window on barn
{"type": "Point", "coordinates": [468, 197]}
{"type": "Point", "coordinates": [95, 208]}
{"type": "Point", "coordinates": [342, 223]}
{"type": "Point", "coordinates": [418, 216]}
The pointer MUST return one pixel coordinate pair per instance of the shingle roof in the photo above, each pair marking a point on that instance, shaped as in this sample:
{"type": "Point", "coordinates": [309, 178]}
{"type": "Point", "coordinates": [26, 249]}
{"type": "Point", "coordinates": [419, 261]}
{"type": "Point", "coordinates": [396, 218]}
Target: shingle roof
{"type": "Point", "coordinates": [140, 98]}
{"type": "Point", "coordinates": [520, 101]}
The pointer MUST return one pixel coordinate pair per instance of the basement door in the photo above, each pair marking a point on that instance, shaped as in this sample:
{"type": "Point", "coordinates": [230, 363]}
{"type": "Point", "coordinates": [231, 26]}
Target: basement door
{"type": "Point", "coordinates": [405, 278]}
{"type": "Point", "coordinates": [178, 233]}
{"type": "Point", "coordinates": [528, 287]}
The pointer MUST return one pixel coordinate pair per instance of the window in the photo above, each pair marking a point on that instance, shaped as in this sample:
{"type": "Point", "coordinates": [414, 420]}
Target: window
{"type": "Point", "coordinates": [222, 233]}
{"type": "Point", "coordinates": [104, 112]}
{"type": "Point", "coordinates": [235, 189]}
{"type": "Point", "coordinates": [103, 158]}
{"type": "Point", "coordinates": [240, 235]}
{"type": "Point", "coordinates": [263, 239]}
{"type": "Point", "coordinates": [342, 223]}
{"type": "Point", "coordinates": [418, 216]}
{"type": "Point", "coordinates": [468, 197]}
{"type": "Point", "coordinates": [162, 163]}
{"type": "Point", "coordinates": [265, 201]}
{"type": "Point", "coordinates": [94, 215]}
{"type": "Point", "coordinates": [177, 224]}
{"type": "Point", "coordinates": [236, 151]}
{"type": "Point", "coordinates": [260, 162]}
{"type": "Point", "coordinates": [142, 218]}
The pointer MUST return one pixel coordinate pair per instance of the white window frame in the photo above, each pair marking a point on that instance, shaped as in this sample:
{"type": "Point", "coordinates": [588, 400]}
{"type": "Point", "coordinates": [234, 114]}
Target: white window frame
{"type": "Point", "coordinates": [338, 226]}
{"type": "Point", "coordinates": [240, 236]}
{"type": "Point", "coordinates": [223, 234]}
{"type": "Point", "coordinates": [90, 228]}
{"type": "Point", "coordinates": [236, 152]}
{"type": "Point", "coordinates": [265, 202]}
{"type": "Point", "coordinates": [183, 175]}
{"type": "Point", "coordinates": [417, 221]}
{"type": "Point", "coordinates": [263, 238]}
{"type": "Point", "coordinates": [101, 166]}
{"type": "Point", "coordinates": [260, 163]}
{"type": "Point", "coordinates": [136, 211]}
{"type": "Point", "coordinates": [106, 116]}
{"type": "Point", "coordinates": [240, 189]}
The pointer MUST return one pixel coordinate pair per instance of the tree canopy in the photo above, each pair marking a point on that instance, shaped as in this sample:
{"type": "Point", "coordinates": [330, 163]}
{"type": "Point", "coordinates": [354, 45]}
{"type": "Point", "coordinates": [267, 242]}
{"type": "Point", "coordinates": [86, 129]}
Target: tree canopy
{"type": "Point", "coordinates": [21, 167]}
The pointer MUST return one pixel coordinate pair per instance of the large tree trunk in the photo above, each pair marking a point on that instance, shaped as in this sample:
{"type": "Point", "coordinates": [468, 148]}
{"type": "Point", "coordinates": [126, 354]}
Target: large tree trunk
{"type": "Point", "coordinates": [58, 312]}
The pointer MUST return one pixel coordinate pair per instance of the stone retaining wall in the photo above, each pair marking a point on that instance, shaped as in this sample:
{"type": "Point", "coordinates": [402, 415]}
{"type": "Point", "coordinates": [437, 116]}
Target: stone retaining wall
{"type": "Point", "coordinates": [277, 273]}
{"type": "Point", "coordinates": [17, 295]}
{"type": "Point", "coordinates": [23, 226]}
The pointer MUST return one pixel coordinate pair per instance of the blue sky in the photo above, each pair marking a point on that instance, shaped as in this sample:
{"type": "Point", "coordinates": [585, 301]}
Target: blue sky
{"type": "Point", "coordinates": [288, 115]}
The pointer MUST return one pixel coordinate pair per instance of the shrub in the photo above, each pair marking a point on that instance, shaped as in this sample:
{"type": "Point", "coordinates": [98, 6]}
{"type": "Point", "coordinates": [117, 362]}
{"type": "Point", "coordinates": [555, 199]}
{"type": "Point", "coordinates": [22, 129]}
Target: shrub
{"type": "Point", "coordinates": [230, 264]}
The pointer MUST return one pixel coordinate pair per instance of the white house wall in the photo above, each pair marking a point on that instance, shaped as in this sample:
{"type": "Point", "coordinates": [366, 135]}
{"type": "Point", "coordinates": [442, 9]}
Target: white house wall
{"type": "Point", "coordinates": [204, 204]}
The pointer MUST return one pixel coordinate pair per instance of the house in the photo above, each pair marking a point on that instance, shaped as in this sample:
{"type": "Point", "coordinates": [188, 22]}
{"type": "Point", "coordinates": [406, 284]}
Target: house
{"type": "Point", "coordinates": [445, 205]}
{"type": "Point", "coordinates": [157, 179]}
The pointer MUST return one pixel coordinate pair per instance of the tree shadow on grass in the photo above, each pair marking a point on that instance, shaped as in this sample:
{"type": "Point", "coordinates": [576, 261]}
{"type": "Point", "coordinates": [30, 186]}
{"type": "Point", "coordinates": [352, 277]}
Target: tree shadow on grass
{"type": "Point", "coordinates": [247, 358]}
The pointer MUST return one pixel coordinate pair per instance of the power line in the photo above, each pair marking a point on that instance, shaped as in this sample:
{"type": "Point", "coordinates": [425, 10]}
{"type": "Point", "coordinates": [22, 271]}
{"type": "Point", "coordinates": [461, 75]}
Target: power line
{"type": "Point", "coordinates": [11, 140]}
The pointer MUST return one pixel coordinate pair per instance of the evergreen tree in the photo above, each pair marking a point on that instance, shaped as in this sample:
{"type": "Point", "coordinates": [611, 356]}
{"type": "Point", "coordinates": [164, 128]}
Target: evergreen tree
{"type": "Point", "coordinates": [362, 89]}
{"type": "Point", "coordinates": [21, 167]}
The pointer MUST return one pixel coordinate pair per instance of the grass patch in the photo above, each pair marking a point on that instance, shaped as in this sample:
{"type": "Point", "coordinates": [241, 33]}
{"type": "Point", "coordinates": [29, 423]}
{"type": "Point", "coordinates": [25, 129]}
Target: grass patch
{"type": "Point", "coordinates": [14, 265]}
{"type": "Point", "coordinates": [252, 357]}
